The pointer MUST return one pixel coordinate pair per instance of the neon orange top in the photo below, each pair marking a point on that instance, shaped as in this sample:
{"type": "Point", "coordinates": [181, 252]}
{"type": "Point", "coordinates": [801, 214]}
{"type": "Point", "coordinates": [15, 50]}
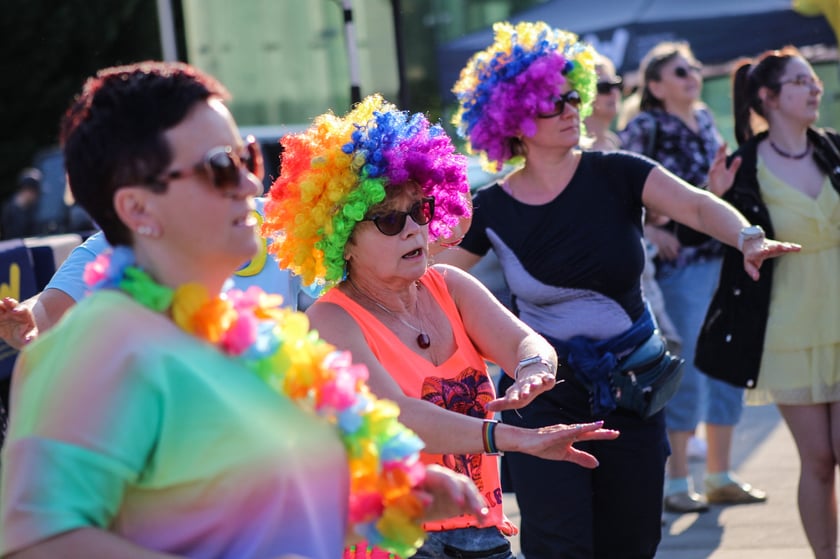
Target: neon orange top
{"type": "Point", "coordinates": [461, 384]}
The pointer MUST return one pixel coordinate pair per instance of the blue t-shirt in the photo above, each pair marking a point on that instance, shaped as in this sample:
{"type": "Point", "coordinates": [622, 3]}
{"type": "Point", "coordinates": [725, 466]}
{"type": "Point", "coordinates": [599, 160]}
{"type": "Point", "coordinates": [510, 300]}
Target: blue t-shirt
{"type": "Point", "coordinates": [261, 271]}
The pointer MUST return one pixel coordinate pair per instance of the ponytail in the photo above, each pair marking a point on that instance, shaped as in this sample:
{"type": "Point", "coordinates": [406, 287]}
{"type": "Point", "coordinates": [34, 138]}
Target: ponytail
{"type": "Point", "coordinates": [748, 77]}
{"type": "Point", "coordinates": [741, 101]}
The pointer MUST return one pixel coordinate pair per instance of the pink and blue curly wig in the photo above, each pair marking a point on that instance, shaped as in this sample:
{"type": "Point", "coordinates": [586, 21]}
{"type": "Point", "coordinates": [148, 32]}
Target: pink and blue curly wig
{"type": "Point", "coordinates": [340, 167]}
{"type": "Point", "coordinates": [503, 88]}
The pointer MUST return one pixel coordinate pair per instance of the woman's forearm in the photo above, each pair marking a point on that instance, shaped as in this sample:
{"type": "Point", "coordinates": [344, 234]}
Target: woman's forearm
{"type": "Point", "coordinates": [718, 219]}
{"type": "Point", "coordinates": [443, 431]}
{"type": "Point", "coordinates": [667, 194]}
{"type": "Point", "coordinates": [90, 543]}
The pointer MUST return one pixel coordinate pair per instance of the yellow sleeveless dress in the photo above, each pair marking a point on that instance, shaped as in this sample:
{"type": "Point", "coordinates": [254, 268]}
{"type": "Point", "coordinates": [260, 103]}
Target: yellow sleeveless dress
{"type": "Point", "coordinates": [801, 359]}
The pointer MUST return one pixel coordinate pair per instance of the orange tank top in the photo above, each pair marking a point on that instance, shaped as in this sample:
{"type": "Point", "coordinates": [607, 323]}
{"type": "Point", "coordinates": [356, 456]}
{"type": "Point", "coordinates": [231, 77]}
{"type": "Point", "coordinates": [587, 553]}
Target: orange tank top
{"type": "Point", "coordinates": [461, 384]}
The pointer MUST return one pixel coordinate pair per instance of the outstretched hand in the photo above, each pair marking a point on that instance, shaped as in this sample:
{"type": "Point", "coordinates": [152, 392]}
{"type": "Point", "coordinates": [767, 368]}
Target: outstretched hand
{"type": "Point", "coordinates": [758, 250]}
{"type": "Point", "coordinates": [523, 391]}
{"type": "Point", "coordinates": [555, 442]}
{"type": "Point", "coordinates": [445, 494]}
{"type": "Point", "coordinates": [17, 323]}
{"type": "Point", "coordinates": [721, 177]}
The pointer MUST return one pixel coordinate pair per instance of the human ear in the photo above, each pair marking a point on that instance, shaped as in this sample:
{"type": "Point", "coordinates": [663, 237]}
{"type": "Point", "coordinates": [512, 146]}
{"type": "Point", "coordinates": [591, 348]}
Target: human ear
{"type": "Point", "coordinates": [656, 88]}
{"type": "Point", "coordinates": [131, 205]}
{"type": "Point", "coordinates": [767, 97]}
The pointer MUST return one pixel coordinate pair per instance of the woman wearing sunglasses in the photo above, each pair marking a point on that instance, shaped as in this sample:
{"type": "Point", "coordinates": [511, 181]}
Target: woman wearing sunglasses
{"type": "Point", "coordinates": [605, 107]}
{"type": "Point", "coordinates": [780, 336]}
{"type": "Point", "coordinates": [567, 227]}
{"type": "Point", "coordinates": [161, 418]}
{"type": "Point", "coordinates": [358, 201]}
{"type": "Point", "coordinates": [22, 322]}
{"type": "Point", "coordinates": [677, 130]}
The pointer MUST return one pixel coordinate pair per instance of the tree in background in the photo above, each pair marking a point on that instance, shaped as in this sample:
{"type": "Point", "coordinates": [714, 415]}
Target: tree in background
{"type": "Point", "coordinates": [48, 48]}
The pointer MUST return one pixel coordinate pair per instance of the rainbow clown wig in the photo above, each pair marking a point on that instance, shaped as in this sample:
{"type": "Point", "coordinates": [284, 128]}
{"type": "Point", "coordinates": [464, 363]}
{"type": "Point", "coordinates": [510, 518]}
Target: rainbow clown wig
{"type": "Point", "coordinates": [503, 88]}
{"type": "Point", "coordinates": [336, 170]}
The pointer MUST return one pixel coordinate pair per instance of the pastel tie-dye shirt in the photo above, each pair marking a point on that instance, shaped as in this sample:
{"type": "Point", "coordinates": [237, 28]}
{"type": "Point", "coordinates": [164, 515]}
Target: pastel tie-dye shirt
{"type": "Point", "coordinates": [123, 422]}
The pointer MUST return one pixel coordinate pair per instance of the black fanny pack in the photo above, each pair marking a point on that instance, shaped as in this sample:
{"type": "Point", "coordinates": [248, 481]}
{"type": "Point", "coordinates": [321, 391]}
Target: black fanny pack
{"type": "Point", "coordinates": [647, 378]}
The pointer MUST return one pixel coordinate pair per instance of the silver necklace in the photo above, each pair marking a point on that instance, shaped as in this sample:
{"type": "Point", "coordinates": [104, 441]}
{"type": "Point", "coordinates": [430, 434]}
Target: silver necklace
{"type": "Point", "coordinates": [422, 339]}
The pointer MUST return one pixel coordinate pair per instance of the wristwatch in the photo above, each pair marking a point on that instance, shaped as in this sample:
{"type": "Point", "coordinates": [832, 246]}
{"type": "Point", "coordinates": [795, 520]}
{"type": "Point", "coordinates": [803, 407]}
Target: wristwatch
{"type": "Point", "coordinates": [749, 233]}
{"type": "Point", "coordinates": [534, 359]}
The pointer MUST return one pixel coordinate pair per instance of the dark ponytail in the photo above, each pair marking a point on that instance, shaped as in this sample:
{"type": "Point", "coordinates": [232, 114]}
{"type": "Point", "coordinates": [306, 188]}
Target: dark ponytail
{"type": "Point", "coordinates": [748, 78]}
{"type": "Point", "coordinates": [741, 101]}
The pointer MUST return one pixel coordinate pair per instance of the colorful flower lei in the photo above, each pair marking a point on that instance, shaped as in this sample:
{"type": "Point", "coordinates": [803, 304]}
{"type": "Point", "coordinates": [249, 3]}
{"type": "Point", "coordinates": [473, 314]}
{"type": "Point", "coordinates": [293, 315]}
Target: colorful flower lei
{"type": "Point", "coordinates": [503, 88]}
{"type": "Point", "coordinates": [277, 344]}
{"type": "Point", "coordinates": [336, 170]}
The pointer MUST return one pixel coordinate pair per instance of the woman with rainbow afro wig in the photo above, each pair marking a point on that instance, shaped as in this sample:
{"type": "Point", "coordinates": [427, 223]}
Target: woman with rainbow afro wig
{"type": "Point", "coordinates": [566, 226]}
{"type": "Point", "coordinates": [357, 203]}
{"type": "Point", "coordinates": [338, 169]}
{"type": "Point", "coordinates": [504, 88]}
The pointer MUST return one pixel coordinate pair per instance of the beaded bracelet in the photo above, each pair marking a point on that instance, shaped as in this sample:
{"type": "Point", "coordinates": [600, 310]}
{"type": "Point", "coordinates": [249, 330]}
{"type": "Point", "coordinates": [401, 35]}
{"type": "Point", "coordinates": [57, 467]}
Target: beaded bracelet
{"type": "Point", "coordinates": [488, 437]}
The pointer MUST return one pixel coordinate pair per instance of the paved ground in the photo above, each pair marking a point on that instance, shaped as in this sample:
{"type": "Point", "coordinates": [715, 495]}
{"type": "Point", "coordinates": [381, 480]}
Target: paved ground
{"type": "Point", "coordinates": [764, 455]}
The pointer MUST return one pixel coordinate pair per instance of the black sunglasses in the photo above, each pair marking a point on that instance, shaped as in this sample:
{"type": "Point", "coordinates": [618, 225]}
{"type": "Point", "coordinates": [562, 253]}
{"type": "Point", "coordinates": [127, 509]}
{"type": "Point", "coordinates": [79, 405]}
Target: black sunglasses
{"type": "Point", "coordinates": [682, 72]}
{"type": "Point", "coordinates": [604, 88]}
{"type": "Point", "coordinates": [571, 97]}
{"type": "Point", "coordinates": [391, 223]}
{"type": "Point", "coordinates": [223, 166]}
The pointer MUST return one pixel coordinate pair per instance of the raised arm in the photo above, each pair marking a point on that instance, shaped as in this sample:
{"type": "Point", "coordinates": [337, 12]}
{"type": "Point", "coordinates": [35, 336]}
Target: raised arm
{"type": "Point", "coordinates": [500, 336]}
{"type": "Point", "coordinates": [445, 431]}
{"type": "Point", "coordinates": [665, 193]}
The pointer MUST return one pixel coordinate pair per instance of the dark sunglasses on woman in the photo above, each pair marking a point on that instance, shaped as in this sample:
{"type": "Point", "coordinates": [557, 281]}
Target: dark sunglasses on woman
{"type": "Point", "coordinates": [571, 97]}
{"type": "Point", "coordinates": [223, 166]}
{"type": "Point", "coordinates": [606, 87]}
{"type": "Point", "coordinates": [682, 71]}
{"type": "Point", "coordinates": [391, 223]}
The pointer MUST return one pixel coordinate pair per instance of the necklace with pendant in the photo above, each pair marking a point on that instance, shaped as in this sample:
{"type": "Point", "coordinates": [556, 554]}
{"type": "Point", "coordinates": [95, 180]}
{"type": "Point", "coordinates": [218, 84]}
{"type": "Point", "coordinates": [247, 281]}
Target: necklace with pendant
{"type": "Point", "coordinates": [787, 155]}
{"type": "Point", "coordinates": [423, 340]}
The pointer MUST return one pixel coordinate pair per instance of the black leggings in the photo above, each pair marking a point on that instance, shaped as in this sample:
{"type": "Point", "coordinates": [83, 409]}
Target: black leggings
{"type": "Point", "coordinates": [613, 511]}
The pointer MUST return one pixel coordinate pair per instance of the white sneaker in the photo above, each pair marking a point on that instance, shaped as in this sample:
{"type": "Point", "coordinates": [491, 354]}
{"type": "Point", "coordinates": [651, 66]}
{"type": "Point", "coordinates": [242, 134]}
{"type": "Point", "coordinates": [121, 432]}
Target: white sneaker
{"type": "Point", "coordinates": [696, 449]}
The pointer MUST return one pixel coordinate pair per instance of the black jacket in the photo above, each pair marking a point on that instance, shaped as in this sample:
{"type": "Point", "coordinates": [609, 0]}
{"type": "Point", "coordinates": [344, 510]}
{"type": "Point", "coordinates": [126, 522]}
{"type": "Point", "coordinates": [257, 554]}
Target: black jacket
{"type": "Point", "coordinates": [731, 341]}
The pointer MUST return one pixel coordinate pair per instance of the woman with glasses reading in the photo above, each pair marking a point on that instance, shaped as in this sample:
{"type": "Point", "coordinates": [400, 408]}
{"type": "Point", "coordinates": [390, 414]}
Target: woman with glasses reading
{"type": "Point", "coordinates": [358, 199]}
{"type": "Point", "coordinates": [567, 227]}
{"type": "Point", "coordinates": [675, 129]}
{"type": "Point", "coordinates": [780, 336]}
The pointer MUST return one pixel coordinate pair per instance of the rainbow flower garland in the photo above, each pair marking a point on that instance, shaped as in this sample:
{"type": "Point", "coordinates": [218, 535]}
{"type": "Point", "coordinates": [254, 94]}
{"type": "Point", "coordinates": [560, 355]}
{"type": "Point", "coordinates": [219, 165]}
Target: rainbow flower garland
{"type": "Point", "coordinates": [503, 88]}
{"type": "Point", "coordinates": [277, 344]}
